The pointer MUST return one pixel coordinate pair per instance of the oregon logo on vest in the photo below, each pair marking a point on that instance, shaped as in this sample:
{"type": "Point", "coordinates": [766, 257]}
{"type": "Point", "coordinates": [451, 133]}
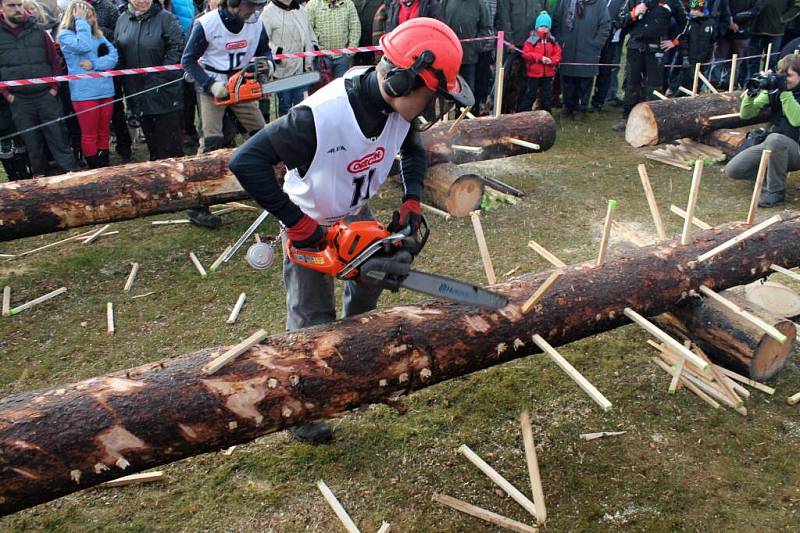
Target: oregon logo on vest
{"type": "Point", "coordinates": [360, 165]}
{"type": "Point", "coordinates": [236, 45]}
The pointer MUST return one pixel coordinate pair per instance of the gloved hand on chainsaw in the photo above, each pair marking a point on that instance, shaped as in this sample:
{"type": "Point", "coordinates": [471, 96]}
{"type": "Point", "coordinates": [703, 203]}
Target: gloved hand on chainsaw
{"type": "Point", "coordinates": [307, 234]}
{"type": "Point", "coordinates": [219, 90]}
{"type": "Point", "coordinates": [386, 272]}
{"type": "Point", "coordinates": [410, 214]}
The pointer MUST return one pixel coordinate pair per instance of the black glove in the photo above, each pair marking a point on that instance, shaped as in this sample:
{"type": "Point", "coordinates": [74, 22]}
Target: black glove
{"type": "Point", "coordinates": [386, 272]}
{"type": "Point", "coordinates": [780, 83]}
{"type": "Point", "coordinates": [753, 92]}
{"type": "Point", "coordinates": [278, 51]}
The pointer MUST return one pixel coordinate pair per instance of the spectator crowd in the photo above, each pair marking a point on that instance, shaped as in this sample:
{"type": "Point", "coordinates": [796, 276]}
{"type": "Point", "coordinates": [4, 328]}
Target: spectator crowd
{"type": "Point", "coordinates": [559, 53]}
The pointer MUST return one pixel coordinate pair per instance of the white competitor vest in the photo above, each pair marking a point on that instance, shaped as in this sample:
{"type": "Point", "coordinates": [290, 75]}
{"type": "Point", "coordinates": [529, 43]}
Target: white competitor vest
{"type": "Point", "coordinates": [348, 168]}
{"type": "Point", "coordinates": [227, 51]}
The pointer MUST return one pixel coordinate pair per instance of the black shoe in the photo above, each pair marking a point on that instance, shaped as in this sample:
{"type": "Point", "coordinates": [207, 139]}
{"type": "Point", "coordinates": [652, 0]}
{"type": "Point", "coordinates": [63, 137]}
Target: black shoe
{"type": "Point", "coordinates": [91, 161]}
{"type": "Point", "coordinates": [771, 199]}
{"type": "Point", "coordinates": [103, 158]}
{"type": "Point", "coordinates": [595, 109]}
{"type": "Point", "coordinates": [203, 217]}
{"type": "Point", "coordinates": [615, 102]}
{"type": "Point", "coordinates": [124, 153]}
{"type": "Point", "coordinates": [567, 114]}
{"type": "Point", "coordinates": [313, 433]}
{"type": "Point", "coordinates": [619, 126]}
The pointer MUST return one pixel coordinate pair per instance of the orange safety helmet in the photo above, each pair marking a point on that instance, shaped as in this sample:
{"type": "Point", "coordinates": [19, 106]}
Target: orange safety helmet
{"type": "Point", "coordinates": [406, 46]}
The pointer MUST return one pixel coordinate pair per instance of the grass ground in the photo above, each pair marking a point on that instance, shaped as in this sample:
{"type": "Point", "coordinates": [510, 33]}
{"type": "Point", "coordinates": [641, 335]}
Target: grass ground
{"type": "Point", "coordinates": [680, 466]}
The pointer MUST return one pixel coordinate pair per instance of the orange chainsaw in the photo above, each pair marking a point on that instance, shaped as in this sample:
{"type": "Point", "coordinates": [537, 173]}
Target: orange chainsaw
{"type": "Point", "coordinates": [351, 245]}
{"type": "Point", "coordinates": [252, 83]}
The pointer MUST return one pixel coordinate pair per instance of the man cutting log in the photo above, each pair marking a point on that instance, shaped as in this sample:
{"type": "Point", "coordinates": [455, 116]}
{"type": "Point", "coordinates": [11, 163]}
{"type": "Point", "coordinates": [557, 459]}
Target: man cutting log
{"type": "Point", "coordinates": [338, 146]}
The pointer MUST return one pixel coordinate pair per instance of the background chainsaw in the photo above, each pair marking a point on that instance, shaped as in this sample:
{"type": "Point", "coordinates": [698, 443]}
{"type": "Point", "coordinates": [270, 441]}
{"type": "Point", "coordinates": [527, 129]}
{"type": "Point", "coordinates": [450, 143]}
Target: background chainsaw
{"type": "Point", "coordinates": [252, 83]}
{"type": "Point", "coordinates": [349, 246]}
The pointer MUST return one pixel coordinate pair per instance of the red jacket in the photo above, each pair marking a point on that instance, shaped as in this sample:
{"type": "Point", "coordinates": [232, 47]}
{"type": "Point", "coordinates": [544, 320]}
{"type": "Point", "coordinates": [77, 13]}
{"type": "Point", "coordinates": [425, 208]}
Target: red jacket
{"type": "Point", "coordinates": [533, 54]}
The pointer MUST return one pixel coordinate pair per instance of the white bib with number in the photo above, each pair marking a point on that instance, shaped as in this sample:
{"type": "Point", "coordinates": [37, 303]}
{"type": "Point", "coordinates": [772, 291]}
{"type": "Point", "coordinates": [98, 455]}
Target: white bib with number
{"type": "Point", "coordinates": [348, 168]}
{"type": "Point", "coordinates": [227, 52]}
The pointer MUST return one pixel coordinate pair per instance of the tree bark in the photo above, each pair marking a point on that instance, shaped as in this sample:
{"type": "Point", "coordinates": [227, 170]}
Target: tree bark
{"type": "Point", "coordinates": [491, 134]}
{"type": "Point", "coordinates": [660, 121]}
{"type": "Point", "coordinates": [728, 339]}
{"type": "Point", "coordinates": [726, 139]}
{"type": "Point", "coordinates": [45, 205]}
{"type": "Point", "coordinates": [452, 189]}
{"type": "Point", "coordinates": [70, 437]}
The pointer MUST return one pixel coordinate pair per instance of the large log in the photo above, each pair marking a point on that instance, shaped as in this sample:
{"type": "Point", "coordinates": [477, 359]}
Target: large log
{"type": "Point", "coordinates": [728, 339]}
{"type": "Point", "coordinates": [660, 121]}
{"type": "Point", "coordinates": [44, 205]}
{"type": "Point", "coordinates": [70, 437]}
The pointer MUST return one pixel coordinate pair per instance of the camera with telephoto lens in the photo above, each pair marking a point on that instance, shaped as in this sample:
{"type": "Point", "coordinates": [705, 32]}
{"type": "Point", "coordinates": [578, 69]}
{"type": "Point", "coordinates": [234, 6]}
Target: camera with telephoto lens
{"type": "Point", "coordinates": [768, 82]}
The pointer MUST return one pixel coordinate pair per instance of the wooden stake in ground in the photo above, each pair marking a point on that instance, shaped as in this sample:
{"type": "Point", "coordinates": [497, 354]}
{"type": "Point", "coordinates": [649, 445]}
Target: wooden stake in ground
{"type": "Point", "coordinates": [724, 117]}
{"type": "Point", "coordinates": [769, 56]}
{"type": "Point", "coordinates": [707, 83]}
{"type": "Point", "coordinates": [676, 378]}
{"type": "Point", "coordinates": [95, 235]}
{"type": "Point", "coordinates": [483, 514]}
{"type": "Point", "coordinates": [762, 172]}
{"type": "Point", "coordinates": [40, 299]}
{"type": "Point", "coordinates": [528, 305]}
{"type": "Point", "coordinates": [498, 110]}
{"type": "Point", "coordinates": [786, 271]}
{"type": "Point", "coordinates": [688, 384]}
{"type": "Point", "coordinates": [696, 81]}
{"type": "Point", "coordinates": [499, 480]}
{"type": "Point", "coordinates": [732, 81]}
{"type": "Point", "coordinates": [677, 347]}
{"type": "Point", "coordinates": [525, 144]}
{"type": "Point", "coordinates": [485, 257]}
{"type": "Point", "coordinates": [533, 468]}
{"type": "Point", "coordinates": [651, 202]}
{"type": "Point", "coordinates": [386, 527]}
{"type": "Point", "coordinates": [198, 265]}
{"type": "Point", "coordinates": [747, 381]}
{"type": "Point", "coordinates": [218, 261]}
{"type": "Point", "coordinates": [599, 435]}
{"type": "Point", "coordinates": [570, 370]}
{"type": "Point", "coordinates": [62, 241]}
{"type": "Point", "coordinates": [499, 73]}
{"type": "Point", "coordinates": [143, 477]}
{"type": "Point", "coordinates": [766, 328]}
{"type": "Point", "coordinates": [601, 255]}
{"type": "Point", "coordinates": [435, 211]}
{"type": "Point", "coordinates": [341, 514]}
{"type": "Point", "coordinates": [659, 95]}
{"type": "Point", "coordinates": [541, 250]}
{"type": "Point", "coordinates": [235, 352]}
{"type": "Point", "coordinates": [110, 317]}
{"type": "Point", "coordinates": [236, 309]}
{"type": "Point", "coordinates": [739, 238]}
{"type": "Point", "coordinates": [687, 223]}
{"type": "Point", "coordinates": [131, 277]}
{"type": "Point", "coordinates": [7, 301]}
{"type": "Point", "coordinates": [794, 399]}
{"type": "Point", "coordinates": [696, 221]}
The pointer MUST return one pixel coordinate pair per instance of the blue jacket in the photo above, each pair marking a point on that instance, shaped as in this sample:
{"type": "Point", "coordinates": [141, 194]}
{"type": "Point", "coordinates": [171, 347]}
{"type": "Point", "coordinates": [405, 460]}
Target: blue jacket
{"type": "Point", "coordinates": [184, 11]}
{"type": "Point", "coordinates": [82, 44]}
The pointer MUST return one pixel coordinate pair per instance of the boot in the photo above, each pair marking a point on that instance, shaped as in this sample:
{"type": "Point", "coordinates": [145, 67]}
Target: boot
{"type": "Point", "coordinates": [92, 161]}
{"type": "Point", "coordinates": [319, 432]}
{"type": "Point", "coordinates": [103, 158]}
{"type": "Point", "coordinates": [771, 199]}
{"type": "Point", "coordinates": [203, 217]}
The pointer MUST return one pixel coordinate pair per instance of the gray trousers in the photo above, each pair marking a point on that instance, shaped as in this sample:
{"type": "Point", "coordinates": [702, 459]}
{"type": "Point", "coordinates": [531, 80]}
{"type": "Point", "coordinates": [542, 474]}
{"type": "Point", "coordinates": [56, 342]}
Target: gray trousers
{"type": "Point", "coordinates": [31, 111]}
{"type": "Point", "coordinates": [785, 157]}
{"type": "Point", "coordinates": [309, 294]}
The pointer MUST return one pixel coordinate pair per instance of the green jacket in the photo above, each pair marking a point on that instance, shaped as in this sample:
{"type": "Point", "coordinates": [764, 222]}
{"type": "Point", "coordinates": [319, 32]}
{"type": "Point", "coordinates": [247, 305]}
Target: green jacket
{"type": "Point", "coordinates": [336, 24]}
{"type": "Point", "coordinates": [751, 106]}
{"type": "Point", "coordinates": [469, 18]}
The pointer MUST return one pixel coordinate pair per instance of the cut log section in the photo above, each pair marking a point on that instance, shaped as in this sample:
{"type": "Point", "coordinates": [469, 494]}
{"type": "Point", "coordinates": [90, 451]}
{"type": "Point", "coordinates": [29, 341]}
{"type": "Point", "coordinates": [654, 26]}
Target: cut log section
{"type": "Point", "coordinates": [44, 205]}
{"type": "Point", "coordinates": [660, 121]}
{"type": "Point", "coordinates": [727, 140]}
{"type": "Point", "coordinates": [728, 339]}
{"type": "Point", "coordinates": [136, 419]}
{"type": "Point", "coordinates": [452, 189]}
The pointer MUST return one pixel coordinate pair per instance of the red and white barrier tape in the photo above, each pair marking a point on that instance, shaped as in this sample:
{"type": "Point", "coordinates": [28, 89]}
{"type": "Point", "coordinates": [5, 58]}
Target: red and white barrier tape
{"type": "Point", "coordinates": [165, 68]}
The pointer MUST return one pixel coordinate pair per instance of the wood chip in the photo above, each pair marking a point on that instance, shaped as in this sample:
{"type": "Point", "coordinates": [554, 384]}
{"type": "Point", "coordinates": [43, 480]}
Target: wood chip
{"type": "Point", "coordinates": [601, 434]}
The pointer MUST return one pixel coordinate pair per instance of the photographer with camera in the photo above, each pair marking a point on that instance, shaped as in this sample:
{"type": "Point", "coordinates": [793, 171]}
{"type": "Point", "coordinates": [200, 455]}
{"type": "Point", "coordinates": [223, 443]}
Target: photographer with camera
{"type": "Point", "coordinates": [782, 94]}
{"type": "Point", "coordinates": [648, 27]}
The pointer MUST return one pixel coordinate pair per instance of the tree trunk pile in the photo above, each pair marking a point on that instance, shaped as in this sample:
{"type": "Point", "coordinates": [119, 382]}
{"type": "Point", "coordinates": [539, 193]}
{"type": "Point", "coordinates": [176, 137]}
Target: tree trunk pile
{"type": "Point", "coordinates": [70, 437]}
{"type": "Point", "coordinates": [660, 121]}
{"type": "Point", "coordinates": [44, 205]}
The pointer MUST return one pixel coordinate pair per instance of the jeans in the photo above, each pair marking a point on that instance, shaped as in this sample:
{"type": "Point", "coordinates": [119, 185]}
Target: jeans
{"type": "Point", "coordinates": [785, 158]}
{"type": "Point", "coordinates": [338, 66]}
{"type": "Point", "coordinates": [309, 294]}
{"type": "Point", "coordinates": [30, 111]}
{"type": "Point", "coordinates": [543, 87]}
{"type": "Point", "coordinates": [289, 98]}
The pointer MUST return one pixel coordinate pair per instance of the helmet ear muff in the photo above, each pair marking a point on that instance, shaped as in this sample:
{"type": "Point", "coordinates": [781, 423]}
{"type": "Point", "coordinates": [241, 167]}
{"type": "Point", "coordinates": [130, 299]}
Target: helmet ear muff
{"type": "Point", "coordinates": [400, 82]}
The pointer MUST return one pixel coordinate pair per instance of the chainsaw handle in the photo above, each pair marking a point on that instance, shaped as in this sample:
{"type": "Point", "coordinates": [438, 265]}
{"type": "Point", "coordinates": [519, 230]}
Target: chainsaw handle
{"type": "Point", "coordinates": [412, 243]}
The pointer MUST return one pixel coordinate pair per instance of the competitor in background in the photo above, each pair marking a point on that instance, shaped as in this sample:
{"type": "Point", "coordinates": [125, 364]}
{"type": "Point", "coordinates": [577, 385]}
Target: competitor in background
{"type": "Point", "coordinates": [223, 42]}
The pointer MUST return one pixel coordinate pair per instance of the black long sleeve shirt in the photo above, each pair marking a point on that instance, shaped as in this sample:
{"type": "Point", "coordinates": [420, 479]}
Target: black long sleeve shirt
{"type": "Point", "coordinates": [292, 139]}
